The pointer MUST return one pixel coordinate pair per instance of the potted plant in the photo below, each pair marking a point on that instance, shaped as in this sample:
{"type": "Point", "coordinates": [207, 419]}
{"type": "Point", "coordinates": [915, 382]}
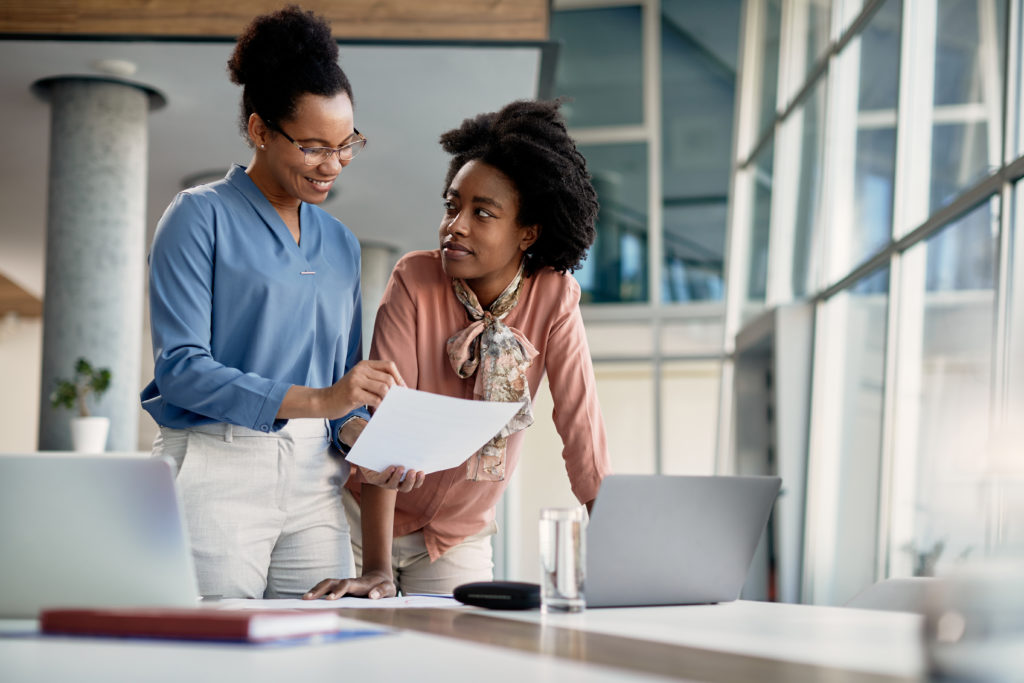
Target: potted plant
{"type": "Point", "coordinates": [88, 432]}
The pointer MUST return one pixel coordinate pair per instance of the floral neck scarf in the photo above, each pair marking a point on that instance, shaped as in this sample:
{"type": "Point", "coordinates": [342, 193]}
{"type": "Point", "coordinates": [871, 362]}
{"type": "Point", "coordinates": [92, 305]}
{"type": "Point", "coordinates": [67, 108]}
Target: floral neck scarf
{"type": "Point", "coordinates": [500, 356]}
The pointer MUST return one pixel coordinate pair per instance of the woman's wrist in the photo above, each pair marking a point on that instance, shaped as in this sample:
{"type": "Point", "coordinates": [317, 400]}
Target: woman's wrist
{"type": "Point", "coordinates": [350, 430]}
{"type": "Point", "coordinates": [300, 401]}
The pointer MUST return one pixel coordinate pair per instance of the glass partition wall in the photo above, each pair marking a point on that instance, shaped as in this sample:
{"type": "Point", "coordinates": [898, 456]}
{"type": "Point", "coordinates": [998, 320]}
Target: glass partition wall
{"type": "Point", "coordinates": [649, 88]}
{"type": "Point", "coordinates": [877, 156]}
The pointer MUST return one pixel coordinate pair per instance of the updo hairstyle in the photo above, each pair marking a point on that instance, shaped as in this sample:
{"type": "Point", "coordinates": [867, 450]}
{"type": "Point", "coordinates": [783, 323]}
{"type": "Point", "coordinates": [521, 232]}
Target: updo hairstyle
{"type": "Point", "coordinates": [279, 58]}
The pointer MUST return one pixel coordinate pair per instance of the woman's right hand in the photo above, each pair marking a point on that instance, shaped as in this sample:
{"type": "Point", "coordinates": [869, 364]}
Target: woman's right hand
{"type": "Point", "coordinates": [364, 385]}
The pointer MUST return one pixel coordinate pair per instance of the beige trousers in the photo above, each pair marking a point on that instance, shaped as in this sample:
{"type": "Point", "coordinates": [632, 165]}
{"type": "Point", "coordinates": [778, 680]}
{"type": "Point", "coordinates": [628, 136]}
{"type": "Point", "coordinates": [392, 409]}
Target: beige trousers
{"type": "Point", "coordinates": [415, 574]}
{"type": "Point", "coordinates": [263, 511]}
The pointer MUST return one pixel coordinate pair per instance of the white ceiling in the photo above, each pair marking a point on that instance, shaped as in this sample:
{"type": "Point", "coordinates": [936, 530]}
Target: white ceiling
{"type": "Point", "coordinates": [406, 96]}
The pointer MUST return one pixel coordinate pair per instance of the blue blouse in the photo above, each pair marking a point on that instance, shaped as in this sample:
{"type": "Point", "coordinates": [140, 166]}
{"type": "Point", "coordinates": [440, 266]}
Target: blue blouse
{"type": "Point", "coordinates": [240, 312]}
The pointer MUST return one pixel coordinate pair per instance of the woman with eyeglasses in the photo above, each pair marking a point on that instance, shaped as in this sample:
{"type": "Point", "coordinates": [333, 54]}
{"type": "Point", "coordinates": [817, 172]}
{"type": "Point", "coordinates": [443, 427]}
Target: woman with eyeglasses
{"type": "Point", "coordinates": [485, 317]}
{"type": "Point", "coordinates": [255, 310]}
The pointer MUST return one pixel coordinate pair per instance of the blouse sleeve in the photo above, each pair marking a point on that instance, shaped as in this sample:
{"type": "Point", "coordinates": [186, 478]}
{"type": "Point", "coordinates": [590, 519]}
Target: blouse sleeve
{"type": "Point", "coordinates": [577, 413]}
{"type": "Point", "coordinates": [394, 331]}
{"type": "Point", "coordinates": [181, 310]}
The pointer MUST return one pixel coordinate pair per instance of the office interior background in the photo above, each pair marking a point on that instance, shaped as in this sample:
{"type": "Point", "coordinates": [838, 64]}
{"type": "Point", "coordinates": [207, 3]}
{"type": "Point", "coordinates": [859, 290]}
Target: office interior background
{"type": "Point", "coordinates": [805, 262]}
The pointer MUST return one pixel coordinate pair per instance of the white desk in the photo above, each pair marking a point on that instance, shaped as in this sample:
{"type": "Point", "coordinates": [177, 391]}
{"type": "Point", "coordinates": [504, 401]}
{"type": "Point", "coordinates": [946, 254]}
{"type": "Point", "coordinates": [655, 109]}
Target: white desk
{"type": "Point", "coordinates": [728, 642]}
{"type": "Point", "coordinates": [402, 656]}
{"type": "Point", "coordinates": [887, 643]}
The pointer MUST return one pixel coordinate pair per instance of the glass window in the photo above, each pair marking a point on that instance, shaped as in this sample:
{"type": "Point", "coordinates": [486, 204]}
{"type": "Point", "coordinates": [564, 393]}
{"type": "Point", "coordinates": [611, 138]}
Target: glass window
{"type": "Point", "coordinates": [693, 245]}
{"type": "Point", "coordinates": [817, 16]}
{"type": "Point", "coordinates": [849, 11]}
{"type": "Point", "coordinates": [968, 84]}
{"type": "Point", "coordinates": [941, 490]}
{"type": "Point", "coordinates": [620, 338]}
{"type": "Point", "coordinates": [1007, 464]}
{"type": "Point", "coordinates": [626, 394]}
{"type": "Point", "coordinates": [1018, 130]}
{"type": "Point", "coordinates": [768, 50]}
{"type": "Point", "coordinates": [616, 266]}
{"type": "Point", "coordinates": [600, 66]}
{"type": "Point", "coordinates": [698, 71]}
{"type": "Point", "coordinates": [760, 220]}
{"type": "Point", "coordinates": [843, 489]}
{"type": "Point", "coordinates": [689, 412]}
{"type": "Point", "coordinates": [697, 335]}
{"type": "Point", "coordinates": [1016, 313]}
{"type": "Point", "coordinates": [811, 118]}
{"type": "Point", "coordinates": [866, 77]}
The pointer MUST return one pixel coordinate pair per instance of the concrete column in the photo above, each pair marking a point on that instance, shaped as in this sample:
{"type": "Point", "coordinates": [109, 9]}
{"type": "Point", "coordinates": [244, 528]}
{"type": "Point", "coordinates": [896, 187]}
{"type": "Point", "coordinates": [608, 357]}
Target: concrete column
{"type": "Point", "coordinates": [95, 251]}
{"type": "Point", "coordinates": [377, 262]}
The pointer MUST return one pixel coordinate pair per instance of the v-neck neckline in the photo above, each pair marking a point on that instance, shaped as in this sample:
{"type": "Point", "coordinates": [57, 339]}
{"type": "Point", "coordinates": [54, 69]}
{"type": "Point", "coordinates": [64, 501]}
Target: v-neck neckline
{"type": "Point", "coordinates": [251, 191]}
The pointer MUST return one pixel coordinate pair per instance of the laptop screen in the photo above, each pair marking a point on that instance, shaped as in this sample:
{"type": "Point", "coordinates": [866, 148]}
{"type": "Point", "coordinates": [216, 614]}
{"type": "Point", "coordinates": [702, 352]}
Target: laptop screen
{"type": "Point", "coordinates": [101, 531]}
{"type": "Point", "coordinates": [674, 540]}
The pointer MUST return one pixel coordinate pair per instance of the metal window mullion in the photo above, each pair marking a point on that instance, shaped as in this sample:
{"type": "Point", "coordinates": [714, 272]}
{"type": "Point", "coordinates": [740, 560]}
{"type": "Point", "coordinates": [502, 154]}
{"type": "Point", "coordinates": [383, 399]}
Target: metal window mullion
{"type": "Point", "coordinates": [652, 122]}
{"type": "Point", "coordinates": [646, 312]}
{"type": "Point", "coordinates": [889, 425]}
{"type": "Point", "coordinates": [821, 223]}
{"type": "Point", "coordinates": [610, 135]}
{"type": "Point", "coordinates": [843, 125]}
{"type": "Point", "coordinates": [1012, 110]}
{"type": "Point", "coordinates": [748, 82]}
{"type": "Point", "coordinates": [738, 214]}
{"type": "Point", "coordinates": [914, 116]}
{"type": "Point", "coordinates": [781, 230]}
{"type": "Point", "coordinates": [562, 5]}
{"type": "Point", "coordinates": [795, 27]}
{"type": "Point", "coordinates": [900, 446]}
{"type": "Point", "coordinates": [786, 160]}
{"type": "Point", "coordinates": [742, 178]}
{"type": "Point", "coordinates": [725, 463]}
{"type": "Point", "coordinates": [812, 75]}
{"type": "Point", "coordinates": [905, 324]}
{"type": "Point", "coordinates": [824, 449]}
{"type": "Point", "coordinates": [844, 13]}
{"type": "Point", "coordinates": [989, 72]}
{"type": "Point", "coordinates": [1001, 342]}
{"type": "Point", "coordinates": [1003, 364]}
{"type": "Point", "coordinates": [969, 199]}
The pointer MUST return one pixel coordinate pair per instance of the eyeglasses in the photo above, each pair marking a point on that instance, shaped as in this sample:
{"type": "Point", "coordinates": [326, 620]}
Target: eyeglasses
{"type": "Point", "coordinates": [314, 156]}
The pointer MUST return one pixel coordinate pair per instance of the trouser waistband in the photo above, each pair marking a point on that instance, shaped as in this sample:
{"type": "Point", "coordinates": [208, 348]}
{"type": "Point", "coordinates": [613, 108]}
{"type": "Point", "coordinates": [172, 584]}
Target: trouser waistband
{"type": "Point", "coordinates": [305, 427]}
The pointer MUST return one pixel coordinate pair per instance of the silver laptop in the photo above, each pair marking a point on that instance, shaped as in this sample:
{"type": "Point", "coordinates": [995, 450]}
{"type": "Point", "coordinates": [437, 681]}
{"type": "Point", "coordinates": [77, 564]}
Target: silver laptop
{"type": "Point", "coordinates": [674, 540]}
{"type": "Point", "coordinates": [91, 531]}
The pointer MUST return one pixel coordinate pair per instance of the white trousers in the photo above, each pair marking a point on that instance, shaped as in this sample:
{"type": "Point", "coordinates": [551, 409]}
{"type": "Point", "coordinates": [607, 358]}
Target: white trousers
{"type": "Point", "coordinates": [469, 561]}
{"type": "Point", "coordinates": [264, 514]}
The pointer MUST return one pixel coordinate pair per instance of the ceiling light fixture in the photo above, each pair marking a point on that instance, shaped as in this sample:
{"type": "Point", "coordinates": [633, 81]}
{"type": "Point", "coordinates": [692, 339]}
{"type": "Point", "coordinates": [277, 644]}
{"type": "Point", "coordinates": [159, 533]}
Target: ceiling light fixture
{"type": "Point", "coordinates": [121, 68]}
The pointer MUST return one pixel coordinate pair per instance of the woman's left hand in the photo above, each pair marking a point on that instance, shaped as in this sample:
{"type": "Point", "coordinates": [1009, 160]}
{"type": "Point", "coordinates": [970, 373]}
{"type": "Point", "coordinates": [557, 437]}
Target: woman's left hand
{"type": "Point", "coordinates": [373, 584]}
{"type": "Point", "coordinates": [392, 478]}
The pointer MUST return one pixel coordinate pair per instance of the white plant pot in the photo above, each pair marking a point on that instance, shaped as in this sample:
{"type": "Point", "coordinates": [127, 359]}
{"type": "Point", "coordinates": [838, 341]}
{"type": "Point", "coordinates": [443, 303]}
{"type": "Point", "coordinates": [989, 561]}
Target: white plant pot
{"type": "Point", "coordinates": [89, 434]}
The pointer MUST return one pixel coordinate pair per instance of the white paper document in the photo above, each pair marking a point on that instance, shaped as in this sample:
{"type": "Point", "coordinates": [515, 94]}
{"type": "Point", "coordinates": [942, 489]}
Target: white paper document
{"type": "Point", "coordinates": [403, 601]}
{"type": "Point", "coordinates": [429, 432]}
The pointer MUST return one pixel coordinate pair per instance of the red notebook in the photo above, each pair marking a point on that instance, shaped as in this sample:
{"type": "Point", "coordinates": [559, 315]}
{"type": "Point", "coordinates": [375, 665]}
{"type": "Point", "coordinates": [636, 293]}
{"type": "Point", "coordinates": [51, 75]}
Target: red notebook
{"type": "Point", "coordinates": [251, 626]}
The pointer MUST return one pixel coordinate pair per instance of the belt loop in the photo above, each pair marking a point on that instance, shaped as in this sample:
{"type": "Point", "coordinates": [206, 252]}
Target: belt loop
{"type": "Point", "coordinates": [228, 435]}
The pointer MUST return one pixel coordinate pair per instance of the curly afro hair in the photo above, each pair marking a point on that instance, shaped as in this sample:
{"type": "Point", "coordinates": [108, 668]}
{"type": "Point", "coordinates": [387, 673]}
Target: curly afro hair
{"type": "Point", "coordinates": [527, 141]}
{"type": "Point", "coordinates": [280, 57]}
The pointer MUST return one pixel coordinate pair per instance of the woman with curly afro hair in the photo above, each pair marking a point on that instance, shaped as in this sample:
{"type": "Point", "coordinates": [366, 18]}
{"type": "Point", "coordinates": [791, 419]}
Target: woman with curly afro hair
{"type": "Point", "coordinates": [484, 317]}
{"type": "Point", "coordinates": [255, 303]}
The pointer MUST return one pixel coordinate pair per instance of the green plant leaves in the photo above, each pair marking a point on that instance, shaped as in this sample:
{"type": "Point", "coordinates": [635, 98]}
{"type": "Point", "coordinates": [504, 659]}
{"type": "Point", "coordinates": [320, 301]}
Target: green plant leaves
{"type": "Point", "coordinates": [86, 380]}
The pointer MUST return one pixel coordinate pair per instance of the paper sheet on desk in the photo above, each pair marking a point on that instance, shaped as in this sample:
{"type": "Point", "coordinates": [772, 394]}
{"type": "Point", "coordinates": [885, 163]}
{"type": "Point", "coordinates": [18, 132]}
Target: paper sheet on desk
{"type": "Point", "coordinates": [429, 432]}
{"type": "Point", "coordinates": [344, 601]}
